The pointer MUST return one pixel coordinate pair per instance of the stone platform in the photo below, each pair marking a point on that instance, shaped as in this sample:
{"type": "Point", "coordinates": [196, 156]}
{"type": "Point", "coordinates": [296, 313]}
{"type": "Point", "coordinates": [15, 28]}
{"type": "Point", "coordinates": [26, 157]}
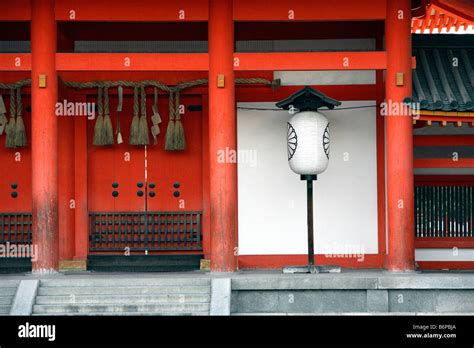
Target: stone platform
{"type": "Point", "coordinates": [245, 293]}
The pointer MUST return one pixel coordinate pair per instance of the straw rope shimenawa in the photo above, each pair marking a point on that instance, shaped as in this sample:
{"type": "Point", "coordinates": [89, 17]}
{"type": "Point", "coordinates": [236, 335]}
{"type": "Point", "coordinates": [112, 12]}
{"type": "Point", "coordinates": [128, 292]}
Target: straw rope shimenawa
{"type": "Point", "coordinates": [174, 138]}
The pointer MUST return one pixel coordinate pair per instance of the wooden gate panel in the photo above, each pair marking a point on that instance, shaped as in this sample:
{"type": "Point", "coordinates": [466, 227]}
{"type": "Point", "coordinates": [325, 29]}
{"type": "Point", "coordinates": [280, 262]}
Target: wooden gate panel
{"type": "Point", "coordinates": [115, 168]}
{"type": "Point", "coordinates": [177, 175]}
{"type": "Point", "coordinates": [15, 168]}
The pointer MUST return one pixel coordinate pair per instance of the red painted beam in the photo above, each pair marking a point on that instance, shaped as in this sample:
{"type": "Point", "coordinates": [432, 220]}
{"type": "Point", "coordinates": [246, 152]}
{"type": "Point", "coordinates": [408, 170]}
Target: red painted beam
{"type": "Point", "coordinates": [303, 10]}
{"type": "Point", "coordinates": [445, 180]}
{"type": "Point", "coordinates": [447, 118]}
{"type": "Point", "coordinates": [15, 62]}
{"type": "Point", "coordinates": [454, 265]}
{"type": "Point", "coordinates": [279, 261]}
{"type": "Point", "coordinates": [311, 61]}
{"type": "Point", "coordinates": [132, 61]}
{"type": "Point", "coordinates": [15, 10]}
{"type": "Point", "coordinates": [443, 140]}
{"type": "Point", "coordinates": [125, 10]}
{"type": "Point", "coordinates": [444, 243]}
{"type": "Point", "coordinates": [443, 163]}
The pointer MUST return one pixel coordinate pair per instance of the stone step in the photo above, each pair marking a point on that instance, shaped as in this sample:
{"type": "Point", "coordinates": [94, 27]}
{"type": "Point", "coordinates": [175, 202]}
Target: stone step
{"type": "Point", "coordinates": [5, 309]}
{"type": "Point", "coordinates": [10, 291]}
{"type": "Point", "coordinates": [6, 300]}
{"type": "Point", "coordinates": [95, 314]}
{"type": "Point", "coordinates": [175, 299]}
{"type": "Point", "coordinates": [186, 308]}
{"type": "Point", "coordinates": [10, 283]}
{"type": "Point", "coordinates": [136, 282]}
{"type": "Point", "coordinates": [122, 290]}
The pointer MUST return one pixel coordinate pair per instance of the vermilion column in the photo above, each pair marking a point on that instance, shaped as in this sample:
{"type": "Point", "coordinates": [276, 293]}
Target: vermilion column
{"type": "Point", "coordinates": [222, 137]}
{"type": "Point", "coordinates": [44, 136]}
{"type": "Point", "coordinates": [400, 200]}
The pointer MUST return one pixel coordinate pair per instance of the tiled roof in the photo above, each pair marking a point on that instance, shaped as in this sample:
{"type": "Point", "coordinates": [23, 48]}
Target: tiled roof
{"type": "Point", "coordinates": [444, 76]}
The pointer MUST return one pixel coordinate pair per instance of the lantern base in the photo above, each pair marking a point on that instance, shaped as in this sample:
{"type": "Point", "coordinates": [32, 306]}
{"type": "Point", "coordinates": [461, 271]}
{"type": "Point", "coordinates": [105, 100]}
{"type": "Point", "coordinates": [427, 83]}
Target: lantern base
{"type": "Point", "coordinates": [311, 269]}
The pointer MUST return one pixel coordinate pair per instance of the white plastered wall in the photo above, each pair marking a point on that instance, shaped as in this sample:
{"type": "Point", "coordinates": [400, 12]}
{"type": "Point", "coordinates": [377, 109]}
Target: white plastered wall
{"type": "Point", "coordinates": [272, 199]}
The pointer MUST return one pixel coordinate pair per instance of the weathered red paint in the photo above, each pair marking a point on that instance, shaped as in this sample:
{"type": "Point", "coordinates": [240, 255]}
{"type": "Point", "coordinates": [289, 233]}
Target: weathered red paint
{"type": "Point", "coordinates": [222, 135]}
{"type": "Point", "coordinates": [44, 136]}
{"type": "Point", "coordinates": [400, 204]}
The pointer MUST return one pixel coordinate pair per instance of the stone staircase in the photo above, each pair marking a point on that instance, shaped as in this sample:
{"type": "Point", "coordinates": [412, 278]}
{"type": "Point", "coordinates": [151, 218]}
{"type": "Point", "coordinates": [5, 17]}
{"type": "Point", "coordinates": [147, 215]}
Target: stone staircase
{"type": "Point", "coordinates": [7, 293]}
{"type": "Point", "coordinates": [140, 296]}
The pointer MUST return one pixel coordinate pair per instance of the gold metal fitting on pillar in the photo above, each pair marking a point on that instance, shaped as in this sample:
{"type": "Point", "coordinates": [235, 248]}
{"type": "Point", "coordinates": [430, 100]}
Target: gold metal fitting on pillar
{"type": "Point", "coordinates": [42, 81]}
{"type": "Point", "coordinates": [220, 81]}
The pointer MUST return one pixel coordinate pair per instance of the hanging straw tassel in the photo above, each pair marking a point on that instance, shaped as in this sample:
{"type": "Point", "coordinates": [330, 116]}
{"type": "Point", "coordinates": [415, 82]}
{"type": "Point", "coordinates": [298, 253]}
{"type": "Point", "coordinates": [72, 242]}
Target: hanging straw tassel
{"type": "Point", "coordinates": [144, 137]}
{"type": "Point", "coordinates": [99, 123]}
{"type": "Point", "coordinates": [119, 110]}
{"type": "Point", "coordinates": [10, 129]}
{"type": "Point", "coordinates": [179, 139]}
{"type": "Point", "coordinates": [20, 133]}
{"type": "Point", "coordinates": [3, 118]}
{"type": "Point", "coordinates": [108, 135]}
{"type": "Point", "coordinates": [134, 128]}
{"type": "Point", "coordinates": [169, 138]}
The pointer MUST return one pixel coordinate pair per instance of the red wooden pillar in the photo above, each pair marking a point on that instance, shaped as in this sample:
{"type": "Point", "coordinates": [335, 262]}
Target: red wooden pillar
{"type": "Point", "coordinates": [81, 219]}
{"type": "Point", "coordinates": [222, 137]}
{"type": "Point", "coordinates": [44, 137]}
{"type": "Point", "coordinates": [400, 201]}
{"type": "Point", "coordinates": [66, 203]}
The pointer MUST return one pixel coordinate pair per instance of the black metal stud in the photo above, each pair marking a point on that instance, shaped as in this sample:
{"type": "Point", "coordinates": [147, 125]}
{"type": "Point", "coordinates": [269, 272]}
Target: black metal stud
{"type": "Point", "coordinates": [176, 193]}
{"type": "Point", "coordinates": [139, 184]}
{"type": "Point", "coordinates": [115, 193]}
{"type": "Point", "coordinates": [139, 193]}
{"type": "Point", "coordinates": [176, 184]}
{"type": "Point", "coordinates": [152, 194]}
{"type": "Point", "coordinates": [151, 185]}
{"type": "Point", "coordinates": [115, 184]}
{"type": "Point", "coordinates": [14, 186]}
{"type": "Point", "coordinates": [14, 194]}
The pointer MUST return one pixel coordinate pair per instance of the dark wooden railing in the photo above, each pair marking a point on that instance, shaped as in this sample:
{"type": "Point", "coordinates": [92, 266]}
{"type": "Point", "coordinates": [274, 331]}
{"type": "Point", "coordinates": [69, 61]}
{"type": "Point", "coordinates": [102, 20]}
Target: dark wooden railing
{"type": "Point", "coordinates": [444, 211]}
{"type": "Point", "coordinates": [15, 228]}
{"type": "Point", "coordinates": [150, 231]}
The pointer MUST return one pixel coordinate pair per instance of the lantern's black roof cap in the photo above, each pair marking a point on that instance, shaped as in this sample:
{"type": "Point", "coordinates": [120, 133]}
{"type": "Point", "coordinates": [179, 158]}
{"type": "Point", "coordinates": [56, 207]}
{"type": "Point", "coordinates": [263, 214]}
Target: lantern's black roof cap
{"type": "Point", "coordinates": [308, 99]}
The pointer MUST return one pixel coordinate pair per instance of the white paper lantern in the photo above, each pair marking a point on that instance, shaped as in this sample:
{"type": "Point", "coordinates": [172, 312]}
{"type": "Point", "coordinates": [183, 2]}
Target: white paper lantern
{"type": "Point", "coordinates": [308, 143]}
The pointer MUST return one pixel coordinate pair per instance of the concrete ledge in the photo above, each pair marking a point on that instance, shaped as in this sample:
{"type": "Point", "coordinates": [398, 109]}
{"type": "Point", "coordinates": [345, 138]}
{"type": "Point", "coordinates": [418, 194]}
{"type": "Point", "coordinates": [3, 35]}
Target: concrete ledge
{"type": "Point", "coordinates": [25, 297]}
{"type": "Point", "coordinates": [441, 281]}
{"type": "Point", "coordinates": [377, 300]}
{"type": "Point", "coordinates": [305, 282]}
{"type": "Point", "coordinates": [220, 296]}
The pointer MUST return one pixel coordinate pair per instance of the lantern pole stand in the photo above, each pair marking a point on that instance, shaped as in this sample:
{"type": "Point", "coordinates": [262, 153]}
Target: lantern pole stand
{"type": "Point", "coordinates": [311, 268]}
